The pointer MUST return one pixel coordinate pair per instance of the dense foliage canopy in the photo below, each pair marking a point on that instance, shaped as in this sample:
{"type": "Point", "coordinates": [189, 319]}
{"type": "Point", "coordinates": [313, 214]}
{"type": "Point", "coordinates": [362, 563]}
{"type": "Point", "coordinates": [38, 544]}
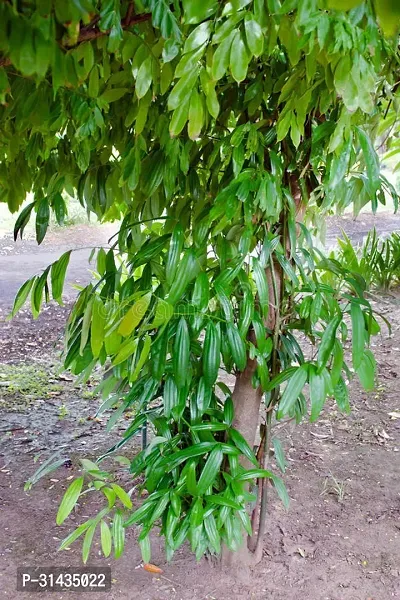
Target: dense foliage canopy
{"type": "Point", "coordinates": [220, 132]}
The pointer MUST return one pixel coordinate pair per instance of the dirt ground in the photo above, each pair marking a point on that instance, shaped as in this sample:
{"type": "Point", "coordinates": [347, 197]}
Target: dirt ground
{"type": "Point", "coordinates": [339, 540]}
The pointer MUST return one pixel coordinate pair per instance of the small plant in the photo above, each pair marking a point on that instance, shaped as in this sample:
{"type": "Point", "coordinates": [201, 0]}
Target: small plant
{"type": "Point", "coordinates": [88, 394]}
{"type": "Point", "coordinates": [335, 487]}
{"type": "Point", "coordinates": [63, 411]}
{"type": "Point", "coordinates": [377, 260]}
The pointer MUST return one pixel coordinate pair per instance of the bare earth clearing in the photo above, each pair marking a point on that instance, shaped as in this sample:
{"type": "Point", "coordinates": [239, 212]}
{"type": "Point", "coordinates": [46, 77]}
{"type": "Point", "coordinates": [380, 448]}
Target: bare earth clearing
{"type": "Point", "coordinates": [340, 539]}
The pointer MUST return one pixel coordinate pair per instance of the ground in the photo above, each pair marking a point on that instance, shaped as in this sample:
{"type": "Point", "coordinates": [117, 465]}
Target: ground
{"type": "Point", "coordinates": [340, 538]}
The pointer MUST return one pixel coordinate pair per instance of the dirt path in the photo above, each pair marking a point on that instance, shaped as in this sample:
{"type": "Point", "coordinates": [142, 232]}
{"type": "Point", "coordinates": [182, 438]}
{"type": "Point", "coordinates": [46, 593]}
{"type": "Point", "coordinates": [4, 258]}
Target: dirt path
{"type": "Point", "coordinates": [358, 229]}
{"type": "Point", "coordinates": [24, 258]}
{"type": "Point", "coordinates": [340, 539]}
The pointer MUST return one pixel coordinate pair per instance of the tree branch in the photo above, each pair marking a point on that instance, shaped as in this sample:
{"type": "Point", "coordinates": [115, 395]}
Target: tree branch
{"type": "Point", "coordinates": [91, 32]}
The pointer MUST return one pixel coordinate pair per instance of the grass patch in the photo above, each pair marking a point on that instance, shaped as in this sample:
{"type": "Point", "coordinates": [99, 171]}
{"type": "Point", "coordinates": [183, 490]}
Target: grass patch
{"type": "Point", "coordinates": [23, 384]}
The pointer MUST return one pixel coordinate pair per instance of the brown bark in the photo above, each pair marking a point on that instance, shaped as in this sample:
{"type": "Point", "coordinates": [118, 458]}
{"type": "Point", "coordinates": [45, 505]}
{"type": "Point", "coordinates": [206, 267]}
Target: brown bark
{"type": "Point", "coordinates": [246, 401]}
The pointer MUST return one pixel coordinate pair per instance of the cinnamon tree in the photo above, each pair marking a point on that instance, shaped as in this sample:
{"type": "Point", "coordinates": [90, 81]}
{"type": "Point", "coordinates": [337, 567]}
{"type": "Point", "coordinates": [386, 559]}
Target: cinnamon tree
{"type": "Point", "coordinates": [221, 134]}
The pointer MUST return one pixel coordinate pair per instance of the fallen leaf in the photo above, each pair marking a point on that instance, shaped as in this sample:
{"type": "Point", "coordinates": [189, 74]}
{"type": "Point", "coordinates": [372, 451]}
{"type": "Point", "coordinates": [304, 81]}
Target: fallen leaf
{"type": "Point", "coordinates": [321, 436]}
{"type": "Point", "coordinates": [152, 568]}
{"type": "Point", "coordinates": [394, 415]}
{"type": "Point", "coordinates": [65, 377]}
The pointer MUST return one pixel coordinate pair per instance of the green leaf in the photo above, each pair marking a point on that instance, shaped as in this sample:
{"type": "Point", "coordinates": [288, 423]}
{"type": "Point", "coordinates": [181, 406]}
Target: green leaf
{"type": "Point", "coordinates": [113, 95]}
{"type": "Point", "coordinates": [174, 253]}
{"type": "Point", "coordinates": [86, 322]}
{"type": "Point", "coordinates": [195, 12]}
{"type": "Point", "coordinates": [22, 295]}
{"type": "Point", "coordinates": [279, 454]}
{"type": "Point", "coordinates": [181, 355]}
{"type": "Point", "coordinates": [328, 341]}
{"type": "Point", "coordinates": [134, 315]}
{"type": "Point", "coordinates": [191, 483]}
{"type": "Point", "coordinates": [105, 534]}
{"type": "Point", "coordinates": [244, 517]}
{"type": "Point", "coordinates": [237, 346]}
{"type": "Point", "coordinates": [23, 220]}
{"type": "Point", "coordinates": [203, 396]}
{"type": "Point", "coordinates": [69, 500]}
{"type": "Point", "coordinates": [371, 160]}
{"type": "Point", "coordinates": [337, 363]}
{"type": "Point", "coordinates": [341, 395]}
{"type": "Point", "coordinates": [281, 378]}
{"type": "Point", "coordinates": [212, 533]}
{"type": "Point", "coordinates": [262, 285]}
{"type": "Point", "coordinates": [281, 490]}
{"type": "Point", "coordinates": [366, 370]}
{"type": "Point", "coordinates": [170, 396]}
{"type": "Point", "coordinates": [210, 470]}
{"type": "Point", "coordinates": [228, 410]}
{"type": "Point", "coordinates": [181, 91]}
{"type": "Point", "coordinates": [196, 115]}
{"type": "Point", "coordinates": [293, 389]}
{"type": "Point", "coordinates": [144, 77]}
{"type": "Point", "coordinates": [242, 445]}
{"type": "Point", "coordinates": [89, 465]}
{"type": "Point", "coordinates": [75, 534]}
{"type": "Point", "coordinates": [58, 271]}
{"type": "Point", "coordinates": [182, 455]}
{"type": "Point", "coordinates": [94, 82]}
{"type": "Point", "coordinates": [210, 426]}
{"type": "Point", "coordinates": [118, 534]}
{"type": "Point", "coordinates": [98, 325]}
{"type": "Point", "coordinates": [212, 101]}
{"type": "Point", "coordinates": [179, 118]}
{"type": "Point", "coordinates": [211, 353]}
{"type": "Point", "coordinates": [388, 12]}
{"type": "Point", "coordinates": [199, 36]}
{"type": "Point", "coordinates": [358, 334]}
{"type": "Point", "coordinates": [110, 495]}
{"type": "Point", "coordinates": [253, 474]}
{"type": "Point", "coordinates": [221, 500]}
{"type": "Point", "coordinates": [201, 292]}
{"type": "Point", "coordinates": [254, 35]}
{"type": "Point", "coordinates": [239, 58]}
{"type": "Point", "coordinates": [87, 542]}
{"type": "Point", "coordinates": [140, 514]}
{"type": "Point", "coordinates": [222, 57]}
{"type": "Point", "coordinates": [163, 313]}
{"type": "Point", "coordinates": [126, 350]}
{"type": "Point", "coordinates": [37, 291]}
{"type": "Point", "coordinates": [187, 270]}
{"type": "Point", "coordinates": [42, 219]}
{"type": "Point", "coordinates": [196, 516]}
{"type": "Point", "coordinates": [317, 393]}
{"type": "Point", "coordinates": [122, 495]}
{"type": "Point", "coordinates": [142, 359]}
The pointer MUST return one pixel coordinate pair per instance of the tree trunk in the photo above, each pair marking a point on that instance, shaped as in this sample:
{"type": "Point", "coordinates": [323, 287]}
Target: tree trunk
{"type": "Point", "coordinates": [247, 400]}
